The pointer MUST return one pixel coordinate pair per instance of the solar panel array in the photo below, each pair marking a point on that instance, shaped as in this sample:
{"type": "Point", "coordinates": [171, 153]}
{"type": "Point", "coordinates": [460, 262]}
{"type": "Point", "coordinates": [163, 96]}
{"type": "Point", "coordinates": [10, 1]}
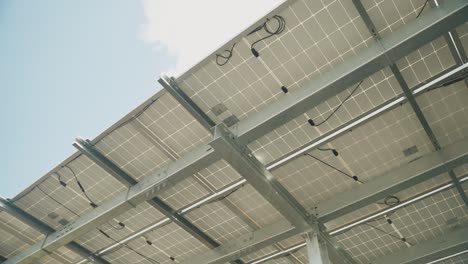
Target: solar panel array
{"type": "Point", "coordinates": [319, 36]}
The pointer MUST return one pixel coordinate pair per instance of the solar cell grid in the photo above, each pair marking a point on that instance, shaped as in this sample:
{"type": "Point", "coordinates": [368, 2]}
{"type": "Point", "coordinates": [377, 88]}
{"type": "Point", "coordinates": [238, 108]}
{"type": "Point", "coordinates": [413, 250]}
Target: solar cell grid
{"type": "Point", "coordinates": [173, 125]}
{"type": "Point", "coordinates": [463, 34]}
{"type": "Point", "coordinates": [366, 243]}
{"type": "Point", "coordinates": [134, 219]}
{"type": "Point", "coordinates": [132, 152]}
{"type": "Point", "coordinates": [404, 195]}
{"type": "Point", "coordinates": [8, 220]}
{"type": "Point", "coordinates": [462, 259]}
{"type": "Point", "coordinates": [251, 203]}
{"type": "Point", "coordinates": [425, 62]}
{"type": "Point", "coordinates": [184, 193]}
{"type": "Point", "coordinates": [232, 88]}
{"type": "Point", "coordinates": [368, 151]}
{"type": "Point", "coordinates": [417, 222]}
{"type": "Point", "coordinates": [259, 254]}
{"type": "Point", "coordinates": [11, 245]}
{"type": "Point", "coordinates": [432, 216]}
{"type": "Point", "coordinates": [390, 15]}
{"type": "Point", "coordinates": [373, 91]}
{"type": "Point", "coordinates": [219, 174]}
{"type": "Point", "coordinates": [446, 111]}
{"type": "Point", "coordinates": [57, 205]}
{"type": "Point", "coordinates": [319, 35]}
{"type": "Point", "coordinates": [216, 220]}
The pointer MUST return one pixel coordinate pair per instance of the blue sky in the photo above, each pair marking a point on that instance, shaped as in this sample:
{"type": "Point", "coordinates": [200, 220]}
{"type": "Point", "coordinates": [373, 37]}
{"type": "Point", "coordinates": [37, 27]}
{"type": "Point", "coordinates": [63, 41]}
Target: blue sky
{"type": "Point", "coordinates": [73, 68]}
{"type": "Point", "coordinates": [68, 68]}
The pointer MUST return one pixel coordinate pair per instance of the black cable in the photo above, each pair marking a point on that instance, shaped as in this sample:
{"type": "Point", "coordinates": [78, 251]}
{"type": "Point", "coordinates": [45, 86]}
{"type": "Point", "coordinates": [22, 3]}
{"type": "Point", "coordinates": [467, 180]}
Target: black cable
{"type": "Point", "coordinates": [312, 123]}
{"type": "Point", "coordinates": [391, 200]}
{"type": "Point", "coordinates": [224, 58]}
{"type": "Point", "coordinates": [281, 25]}
{"type": "Point", "coordinates": [130, 248]}
{"type": "Point", "coordinates": [59, 178]}
{"type": "Point", "coordinates": [334, 151]}
{"type": "Point", "coordinates": [355, 178]}
{"type": "Point", "coordinates": [55, 200]}
{"type": "Point", "coordinates": [91, 202]}
{"type": "Point", "coordinates": [119, 225]}
{"type": "Point", "coordinates": [387, 233]}
{"type": "Point", "coordinates": [226, 195]}
{"type": "Point", "coordinates": [422, 9]}
{"type": "Point", "coordinates": [455, 79]}
{"type": "Point", "coordinates": [134, 116]}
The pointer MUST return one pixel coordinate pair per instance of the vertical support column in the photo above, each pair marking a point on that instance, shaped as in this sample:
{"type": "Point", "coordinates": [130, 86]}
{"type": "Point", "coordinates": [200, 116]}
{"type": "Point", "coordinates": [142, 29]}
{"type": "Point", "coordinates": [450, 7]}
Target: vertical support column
{"type": "Point", "coordinates": [317, 252]}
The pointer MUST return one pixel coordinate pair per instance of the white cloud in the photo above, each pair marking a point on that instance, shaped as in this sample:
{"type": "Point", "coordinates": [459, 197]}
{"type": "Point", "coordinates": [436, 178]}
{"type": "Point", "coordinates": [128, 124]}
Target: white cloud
{"type": "Point", "coordinates": [192, 29]}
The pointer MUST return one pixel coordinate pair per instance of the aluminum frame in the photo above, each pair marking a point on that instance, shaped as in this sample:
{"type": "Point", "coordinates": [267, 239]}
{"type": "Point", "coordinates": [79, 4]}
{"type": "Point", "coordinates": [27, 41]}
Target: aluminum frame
{"type": "Point", "coordinates": [415, 34]}
{"type": "Point", "coordinates": [428, 166]}
{"type": "Point", "coordinates": [440, 247]}
{"type": "Point", "coordinates": [43, 228]}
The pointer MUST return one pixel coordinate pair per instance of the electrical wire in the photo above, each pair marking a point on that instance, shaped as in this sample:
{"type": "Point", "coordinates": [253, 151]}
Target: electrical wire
{"type": "Point", "coordinates": [355, 178]}
{"type": "Point", "coordinates": [334, 151]}
{"type": "Point", "coordinates": [55, 200]}
{"type": "Point", "coordinates": [281, 25]}
{"type": "Point", "coordinates": [387, 233]}
{"type": "Point", "coordinates": [312, 123]}
{"type": "Point", "coordinates": [226, 195]}
{"type": "Point", "coordinates": [119, 225]}
{"type": "Point", "coordinates": [222, 59]}
{"type": "Point", "coordinates": [451, 81]}
{"type": "Point", "coordinates": [138, 114]}
{"type": "Point", "coordinates": [91, 202]}
{"type": "Point", "coordinates": [130, 248]}
{"type": "Point", "coordinates": [59, 178]}
{"type": "Point", "coordinates": [422, 9]}
{"type": "Point", "coordinates": [391, 201]}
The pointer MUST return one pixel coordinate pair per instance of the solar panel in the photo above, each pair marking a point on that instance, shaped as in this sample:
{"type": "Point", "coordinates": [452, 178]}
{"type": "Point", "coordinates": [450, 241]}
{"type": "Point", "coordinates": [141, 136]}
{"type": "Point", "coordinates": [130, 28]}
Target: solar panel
{"type": "Point", "coordinates": [319, 37]}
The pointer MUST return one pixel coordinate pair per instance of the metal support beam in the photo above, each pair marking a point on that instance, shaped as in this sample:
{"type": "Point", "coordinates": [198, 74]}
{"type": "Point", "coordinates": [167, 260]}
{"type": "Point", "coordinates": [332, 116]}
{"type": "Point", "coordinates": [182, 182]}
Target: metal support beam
{"type": "Point", "coordinates": [245, 163]}
{"type": "Point", "coordinates": [458, 45]}
{"type": "Point", "coordinates": [440, 247]}
{"type": "Point", "coordinates": [145, 190]}
{"type": "Point", "coordinates": [363, 118]}
{"type": "Point", "coordinates": [396, 72]}
{"type": "Point", "coordinates": [91, 152]}
{"type": "Point", "coordinates": [393, 47]}
{"type": "Point", "coordinates": [420, 170]}
{"type": "Point", "coordinates": [415, 106]}
{"type": "Point", "coordinates": [317, 251]}
{"type": "Point", "coordinates": [415, 34]}
{"type": "Point", "coordinates": [409, 94]}
{"type": "Point", "coordinates": [173, 88]}
{"type": "Point", "coordinates": [43, 228]}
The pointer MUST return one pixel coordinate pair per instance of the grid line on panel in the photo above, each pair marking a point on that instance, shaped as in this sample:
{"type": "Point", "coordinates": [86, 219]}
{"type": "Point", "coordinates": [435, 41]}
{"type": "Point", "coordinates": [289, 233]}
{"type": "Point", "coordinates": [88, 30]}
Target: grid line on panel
{"type": "Point", "coordinates": [432, 216]}
{"type": "Point", "coordinates": [219, 222]}
{"type": "Point", "coordinates": [375, 90]}
{"type": "Point", "coordinates": [391, 15]}
{"type": "Point", "coordinates": [173, 125]}
{"type": "Point", "coordinates": [209, 81]}
{"type": "Point", "coordinates": [425, 62]}
{"type": "Point", "coordinates": [447, 112]}
{"type": "Point", "coordinates": [369, 150]}
{"type": "Point", "coordinates": [419, 221]}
